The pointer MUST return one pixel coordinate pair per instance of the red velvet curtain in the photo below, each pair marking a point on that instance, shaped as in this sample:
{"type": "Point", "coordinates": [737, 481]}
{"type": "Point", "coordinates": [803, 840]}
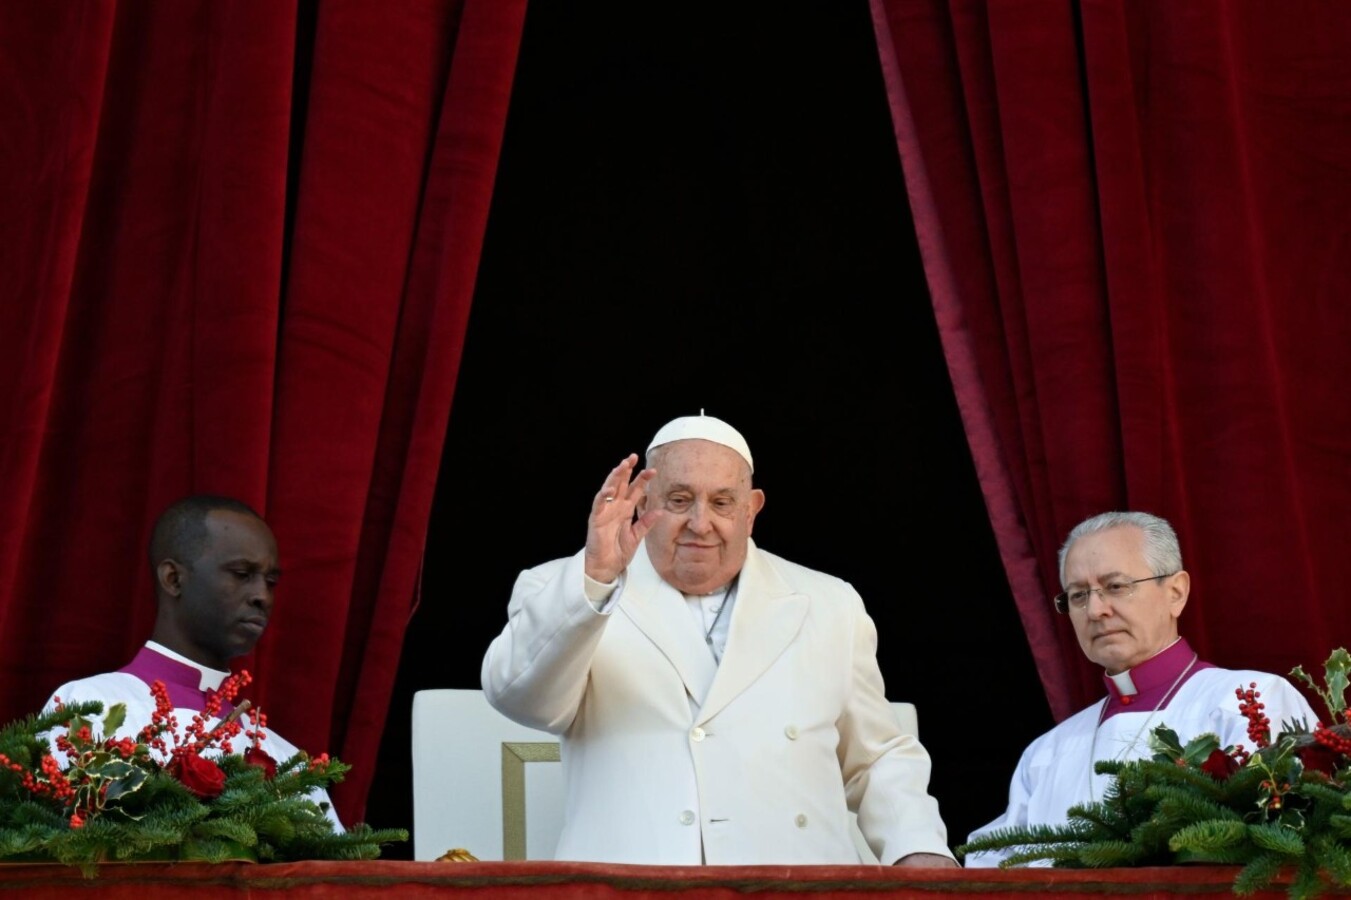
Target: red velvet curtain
{"type": "Point", "coordinates": [1135, 219]}
{"type": "Point", "coordinates": [181, 317]}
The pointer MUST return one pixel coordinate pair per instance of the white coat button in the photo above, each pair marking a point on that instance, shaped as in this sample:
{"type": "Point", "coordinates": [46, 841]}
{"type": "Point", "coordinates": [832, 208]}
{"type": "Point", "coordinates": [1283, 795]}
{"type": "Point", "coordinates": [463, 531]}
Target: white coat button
{"type": "Point", "coordinates": [801, 820]}
{"type": "Point", "coordinates": [696, 733]}
{"type": "Point", "coordinates": [791, 731]}
{"type": "Point", "coordinates": [687, 818]}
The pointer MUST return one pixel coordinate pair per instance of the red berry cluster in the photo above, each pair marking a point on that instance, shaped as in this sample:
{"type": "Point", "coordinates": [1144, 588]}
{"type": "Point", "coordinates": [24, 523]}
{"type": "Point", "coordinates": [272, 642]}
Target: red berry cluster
{"type": "Point", "coordinates": [49, 782]}
{"type": "Point", "coordinates": [200, 737]}
{"type": "Point", "coordinates": [77, 787]}
{"type": "Point", "coordinates": [197, 737]}
{"type": "Point", "coordinates": [256, 734]}
{"type": "Point", "coordinates": [1334, 741]}
{"type": "Point", "coordinates": [1259, 726]}
{"type": "Point", "coordinates": [161, 720]}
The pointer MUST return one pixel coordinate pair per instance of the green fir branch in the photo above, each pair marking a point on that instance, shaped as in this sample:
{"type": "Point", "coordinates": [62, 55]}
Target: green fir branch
{"type": "Point", "coordinates": [1064, 856]}
{"type": "Point", "coordinates": [1308, 882]}
{"type": "Point", "coordinates": [1339, 824]}
{"type": "Point", "coordinates": [1334, 859]}
{"type": "Point", "coordinates": [1184, 804]}
{"type": "Point", "coordinates": [1151, 773]}
{"type": "Point", "coordinates": [147, 814]}
{"type": "Point", "coordinates": [1209, 838]}
{"type": "Point", "coordinates": [1113, 854]}
{"type": "Point", "coordinates": [1101, 821]}
{"type": "Point", "coordinates": [1276, 839]}
{"type": "Point", "coordinates": [1022, 836]}
{"type": "Point", "coordinates": [225, 828]}
{"type": "Point", "coordinates": [1258, 873]}
{"type": "Point", "coordinates": [22, 733]}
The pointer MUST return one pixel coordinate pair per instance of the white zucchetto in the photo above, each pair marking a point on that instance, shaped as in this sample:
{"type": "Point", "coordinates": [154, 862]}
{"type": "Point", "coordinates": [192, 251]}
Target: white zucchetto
{"type": "Point", "coordinates": [704, 428]}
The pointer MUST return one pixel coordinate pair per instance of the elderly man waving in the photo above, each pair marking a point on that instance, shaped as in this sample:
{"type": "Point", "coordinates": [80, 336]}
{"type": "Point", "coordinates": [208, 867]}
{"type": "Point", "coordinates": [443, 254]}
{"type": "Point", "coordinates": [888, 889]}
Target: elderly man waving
{"type": "Point", "coordinates": [717, 703]}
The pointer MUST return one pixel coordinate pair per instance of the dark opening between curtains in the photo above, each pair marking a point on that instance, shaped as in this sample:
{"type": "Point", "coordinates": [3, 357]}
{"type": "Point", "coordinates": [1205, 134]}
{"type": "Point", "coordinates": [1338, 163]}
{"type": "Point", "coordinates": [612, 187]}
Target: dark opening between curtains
{"type": "Point", "coordinates": [698, 209]}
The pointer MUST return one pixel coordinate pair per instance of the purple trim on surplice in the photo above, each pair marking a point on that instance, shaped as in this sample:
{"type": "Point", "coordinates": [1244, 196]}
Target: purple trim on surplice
{"type": "Point", "coordinates": [182, 680]}
{"type": "Point", "coordinates": [1153, 678]}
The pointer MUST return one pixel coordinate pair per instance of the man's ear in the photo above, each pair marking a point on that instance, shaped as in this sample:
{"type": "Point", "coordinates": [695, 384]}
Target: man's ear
{"type": "Point", "coordinates": [1179, 588]}
{"type": "Point", "coordinates": [757, 504]}
{"type": "Point", "coordinates": [169, 575]}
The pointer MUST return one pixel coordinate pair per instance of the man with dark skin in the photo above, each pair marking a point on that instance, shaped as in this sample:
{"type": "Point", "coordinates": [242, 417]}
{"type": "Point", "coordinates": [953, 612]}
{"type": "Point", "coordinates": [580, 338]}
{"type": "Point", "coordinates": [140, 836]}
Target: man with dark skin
{"type": "Point", "coordinates": [216, 571]}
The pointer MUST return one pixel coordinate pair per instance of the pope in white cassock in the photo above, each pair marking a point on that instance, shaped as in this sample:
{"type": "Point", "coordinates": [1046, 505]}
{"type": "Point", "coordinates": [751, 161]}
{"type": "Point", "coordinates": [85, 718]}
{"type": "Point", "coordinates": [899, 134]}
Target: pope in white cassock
{"type": "Point", "coordinates": [1124, 591]}
{"type": "Point", "coordinates": [717, 703]}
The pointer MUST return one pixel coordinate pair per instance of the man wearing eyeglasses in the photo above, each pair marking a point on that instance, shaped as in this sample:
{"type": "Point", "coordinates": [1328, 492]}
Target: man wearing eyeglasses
{"type": "Point", "coordinates": [1124, 590]}
{"type": "Point", "coordinates": [716, 703]}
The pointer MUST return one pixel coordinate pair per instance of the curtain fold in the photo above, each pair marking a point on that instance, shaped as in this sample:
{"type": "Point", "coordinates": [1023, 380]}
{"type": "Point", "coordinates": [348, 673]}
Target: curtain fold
{"type": "Point", "coordinates": [45, 185]}
{"type": "Point", "coordinates": [1132, 219]}
{"type": "Point", "coordinates": [172, 327]}
{"type": "Point", "coordinates": [378, 302]}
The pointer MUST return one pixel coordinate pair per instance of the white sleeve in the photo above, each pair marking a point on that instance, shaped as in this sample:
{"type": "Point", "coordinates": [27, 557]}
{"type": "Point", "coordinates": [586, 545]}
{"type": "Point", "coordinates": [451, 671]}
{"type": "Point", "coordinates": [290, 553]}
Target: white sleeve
{"type": "Point", "coordinates": [535, 672]}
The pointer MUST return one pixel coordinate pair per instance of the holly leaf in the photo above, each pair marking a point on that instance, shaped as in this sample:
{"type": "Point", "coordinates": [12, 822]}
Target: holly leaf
{"type": "Point", "coordinates": [122, 779]}
{"type": "Point", "coordinates": [1165, 743]}
{"type": "Point", "coordinates": [1336, 672]}
{"type": "Point", "coordinates": [116, 715]}
{"type": "Point", "coordinates": [1199, 748]}
{"type": "Point", "coordinates": [1337, 676]}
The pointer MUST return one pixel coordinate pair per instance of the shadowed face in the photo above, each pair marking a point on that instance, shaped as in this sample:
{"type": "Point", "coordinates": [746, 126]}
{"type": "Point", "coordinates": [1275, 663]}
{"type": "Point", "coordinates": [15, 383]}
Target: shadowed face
{"type": "Point", "coordinates": [1120, 634]}
{"type": "Point", "coordinates": [705, 488]}
{"type": "Point", "coordinates": [220, 602]}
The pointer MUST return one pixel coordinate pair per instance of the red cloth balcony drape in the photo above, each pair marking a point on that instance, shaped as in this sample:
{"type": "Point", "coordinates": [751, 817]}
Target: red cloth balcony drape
{"type": "Point", "coordinates": [567, 880]}
{"type": "Point", "coordinates": [178, 317]}
{"type": "Point", "coordinates": [1134, 224]}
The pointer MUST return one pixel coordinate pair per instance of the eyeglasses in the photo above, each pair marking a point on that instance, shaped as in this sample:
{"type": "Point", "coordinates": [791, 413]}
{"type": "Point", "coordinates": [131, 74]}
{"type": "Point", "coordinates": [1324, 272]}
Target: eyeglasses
{"type": "Point", "coordinates": [1116, 589]}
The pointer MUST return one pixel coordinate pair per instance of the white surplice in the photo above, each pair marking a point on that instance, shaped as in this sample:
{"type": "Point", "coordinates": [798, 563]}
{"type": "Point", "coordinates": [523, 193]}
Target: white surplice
{"type": "Point", "coordinates": [1056, 770]}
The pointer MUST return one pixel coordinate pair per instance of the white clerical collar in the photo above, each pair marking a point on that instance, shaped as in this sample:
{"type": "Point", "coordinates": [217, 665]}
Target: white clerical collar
{"type": "Point", "coordinates": [1124, 685]}
{"type": "Point", "coordinates": [211, 678]}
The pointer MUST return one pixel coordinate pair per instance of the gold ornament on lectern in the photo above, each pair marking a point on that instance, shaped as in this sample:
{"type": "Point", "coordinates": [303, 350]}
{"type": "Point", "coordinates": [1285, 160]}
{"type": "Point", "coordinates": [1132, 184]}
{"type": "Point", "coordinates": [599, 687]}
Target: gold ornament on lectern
{"type": "Point", "coordinates": [457, 854]}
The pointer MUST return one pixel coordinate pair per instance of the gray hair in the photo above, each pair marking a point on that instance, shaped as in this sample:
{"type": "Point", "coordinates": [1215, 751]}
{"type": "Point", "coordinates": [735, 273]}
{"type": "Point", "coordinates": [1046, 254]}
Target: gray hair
{"type": "Point", "coordinates": [1162, 552]}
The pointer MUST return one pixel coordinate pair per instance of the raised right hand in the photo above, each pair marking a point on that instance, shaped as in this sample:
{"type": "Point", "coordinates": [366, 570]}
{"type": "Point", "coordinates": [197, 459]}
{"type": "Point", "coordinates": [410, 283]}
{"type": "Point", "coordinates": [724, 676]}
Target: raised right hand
{"type": "Point", "coordinates": [612, 532]}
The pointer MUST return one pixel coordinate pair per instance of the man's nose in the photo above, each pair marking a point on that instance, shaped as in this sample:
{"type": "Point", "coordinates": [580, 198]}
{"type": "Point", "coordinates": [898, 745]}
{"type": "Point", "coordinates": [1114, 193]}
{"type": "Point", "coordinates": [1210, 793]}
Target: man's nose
{"type": "Point", "coordinates": [698, 520]}
{"type": "Point", "coordinates": [262, 593]}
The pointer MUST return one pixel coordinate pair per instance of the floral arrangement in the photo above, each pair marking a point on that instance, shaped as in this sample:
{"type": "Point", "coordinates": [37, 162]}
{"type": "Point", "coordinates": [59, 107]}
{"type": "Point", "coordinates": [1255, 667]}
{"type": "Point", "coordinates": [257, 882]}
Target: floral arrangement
{"type": "Point", "coordinates": [1285, 804]}
{"type": "Point", "coordinates": [165, 794]}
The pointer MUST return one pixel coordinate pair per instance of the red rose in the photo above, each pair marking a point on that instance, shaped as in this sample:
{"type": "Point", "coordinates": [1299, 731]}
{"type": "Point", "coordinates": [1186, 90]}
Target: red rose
{"type": "Point", "coordinates": [1318, 758]}
{"type": "Point", "coordinates": [201, 776]}
{"type": "Point", "coordinates": [257, 756]}
{"type": "Point", "coordinates": [1219, 765]}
